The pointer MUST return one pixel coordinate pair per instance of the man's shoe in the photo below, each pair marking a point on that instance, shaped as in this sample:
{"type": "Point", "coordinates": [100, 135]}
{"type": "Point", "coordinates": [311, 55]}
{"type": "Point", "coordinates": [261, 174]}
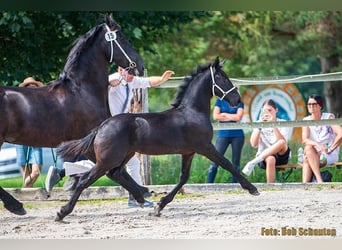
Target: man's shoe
{"type": "Point", "coordinates": [247, 170]}
{"type": "Point", "coordinates": [147, 194]}
{"type": "Point", "coordinates": [52, 178]}
{"type": "Point", "coordinates": [148, 203]}
{"type": "Point", "coordinates": [71, 183]}
{"type": "Point", "coordinates": [134, 203]}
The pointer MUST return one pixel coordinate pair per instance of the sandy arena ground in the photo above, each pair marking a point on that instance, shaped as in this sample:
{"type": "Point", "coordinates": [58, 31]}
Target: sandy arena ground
{"type": "Point", "coordinates": [298, 212]}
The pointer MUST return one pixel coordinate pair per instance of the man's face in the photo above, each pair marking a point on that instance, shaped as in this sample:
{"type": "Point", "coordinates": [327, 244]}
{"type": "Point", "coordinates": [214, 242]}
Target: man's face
{"type": "Point", "coordinates": [127, 76]}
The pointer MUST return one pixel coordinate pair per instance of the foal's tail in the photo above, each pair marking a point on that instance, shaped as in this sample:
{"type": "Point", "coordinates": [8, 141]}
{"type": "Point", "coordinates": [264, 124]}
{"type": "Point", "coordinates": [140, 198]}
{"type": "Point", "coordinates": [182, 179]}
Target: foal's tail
{"type": "Point", "coordinates": [77, 148]}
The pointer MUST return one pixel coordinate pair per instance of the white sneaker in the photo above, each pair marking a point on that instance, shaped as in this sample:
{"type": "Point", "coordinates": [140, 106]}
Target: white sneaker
{"type": "Point", "coordinates": [247, 170]}
{"type": "Point", "coordinates": [52, 178]}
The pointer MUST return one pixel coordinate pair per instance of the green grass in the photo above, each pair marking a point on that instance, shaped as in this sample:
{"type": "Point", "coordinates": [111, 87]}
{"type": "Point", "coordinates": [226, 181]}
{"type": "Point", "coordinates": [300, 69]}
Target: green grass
{"type": "Point", "coordinates": [18, 182]}
{"type": "Point", "coordinates": [166, 168]}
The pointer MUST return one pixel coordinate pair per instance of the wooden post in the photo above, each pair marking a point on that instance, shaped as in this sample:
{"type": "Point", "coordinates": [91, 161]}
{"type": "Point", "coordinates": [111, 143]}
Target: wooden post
{"type": "Point", "coordinates": [140, 104]}
{"type": "Point", "coordinates": [146, 159]}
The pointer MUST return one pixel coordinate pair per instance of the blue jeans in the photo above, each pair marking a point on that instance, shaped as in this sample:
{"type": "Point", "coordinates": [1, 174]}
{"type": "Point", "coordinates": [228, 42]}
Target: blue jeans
{"type": "Point", "coordinates": [221, 146]}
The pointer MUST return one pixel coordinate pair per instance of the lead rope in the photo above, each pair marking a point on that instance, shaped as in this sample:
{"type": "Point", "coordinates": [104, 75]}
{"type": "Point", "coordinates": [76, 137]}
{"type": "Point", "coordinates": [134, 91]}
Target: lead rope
{"type": "Point", "coordinates": [27, 166]}
{"type": "Point", "coordinates": [54, 157]}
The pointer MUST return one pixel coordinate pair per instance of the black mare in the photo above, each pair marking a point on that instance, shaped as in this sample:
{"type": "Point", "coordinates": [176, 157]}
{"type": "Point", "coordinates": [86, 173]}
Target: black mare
{"type": "Point", "coordinates": [71, 106]}
{"type": "Point", "coordinates": [184, 129]}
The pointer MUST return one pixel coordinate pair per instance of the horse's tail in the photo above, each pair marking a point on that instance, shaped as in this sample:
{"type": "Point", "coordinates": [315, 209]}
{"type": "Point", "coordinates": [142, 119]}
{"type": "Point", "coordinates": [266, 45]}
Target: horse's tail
{"type": "Point", "coordinates": [76, 148]}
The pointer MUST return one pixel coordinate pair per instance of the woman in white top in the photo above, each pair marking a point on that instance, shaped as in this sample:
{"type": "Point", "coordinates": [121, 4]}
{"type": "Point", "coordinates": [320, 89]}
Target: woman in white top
{"type": "Point", "coordinates": [272, 143]}
{"type": "Point", "coordinates": [320, 142]}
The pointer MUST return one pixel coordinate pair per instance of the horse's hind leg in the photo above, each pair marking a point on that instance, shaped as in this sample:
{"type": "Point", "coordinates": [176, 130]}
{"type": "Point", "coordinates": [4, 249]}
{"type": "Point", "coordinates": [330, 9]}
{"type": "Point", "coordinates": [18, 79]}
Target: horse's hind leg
{"type": "Point", "coordinates": [85, 181]}
{"type": "Point", "coordinates": [211, 153]}
{"type": "Point", "coordinates": [121, 176]}
{"type": "Point", "coordinates": [11, 204]}
{"type": "Point", "coordinates": [184, 176]}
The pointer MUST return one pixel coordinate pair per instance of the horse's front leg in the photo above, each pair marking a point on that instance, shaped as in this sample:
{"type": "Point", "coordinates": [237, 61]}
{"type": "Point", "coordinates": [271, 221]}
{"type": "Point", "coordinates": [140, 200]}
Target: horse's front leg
{"type": "Point", "coordinates": [212, 154]}
{"type": "Point", "coordinates": [184, 176]}
{"type": "Point", "coordinates": [85, 181]}
{"type": "Point", "coordinates": [11, 204]}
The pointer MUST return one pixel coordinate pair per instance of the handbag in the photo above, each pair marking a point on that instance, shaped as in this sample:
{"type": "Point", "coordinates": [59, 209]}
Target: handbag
{"type": "Point", "coordinates": [326, 176]}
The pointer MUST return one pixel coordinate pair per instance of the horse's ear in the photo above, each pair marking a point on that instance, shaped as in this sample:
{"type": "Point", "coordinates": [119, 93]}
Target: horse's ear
{"type": "Point", "coordinates": [216, 62]}
{"type": "Point", "coordinates": [108, 19]}
{"type": "Point", "coordinates": [112, 24]}
{"type": "Point", "coordinates": [221, 63]}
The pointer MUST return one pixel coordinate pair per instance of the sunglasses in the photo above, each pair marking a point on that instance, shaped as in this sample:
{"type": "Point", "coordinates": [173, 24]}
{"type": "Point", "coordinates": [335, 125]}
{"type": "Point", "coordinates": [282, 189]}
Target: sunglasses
{"type": "Point", "coordinates": [314, 104]}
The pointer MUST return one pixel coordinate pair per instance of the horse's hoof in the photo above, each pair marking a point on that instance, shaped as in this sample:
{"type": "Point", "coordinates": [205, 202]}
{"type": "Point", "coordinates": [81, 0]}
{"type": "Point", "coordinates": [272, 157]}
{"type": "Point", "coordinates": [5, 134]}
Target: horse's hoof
{"type": "Point", "coordinates": [62, 221]}
{"type": "Point", "coordinates": [59, 218]}
{"type": "Point", "coordinates": [18, 210]}
{"type": "Point", "coordinates": [255, 192]}
{"type": "Point", "coordinates": [157, 211]}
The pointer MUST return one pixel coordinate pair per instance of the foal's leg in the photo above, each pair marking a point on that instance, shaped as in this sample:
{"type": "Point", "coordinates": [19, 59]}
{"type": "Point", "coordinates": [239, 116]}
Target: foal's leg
{"type": "Point", "coordinates": [121, 176]}
{"type": "Point", "coordinates": [211, 153]}
{"type": "Point", "coordinates": [184, 176]}
{"type": "Point", "coordinates": [85, 181]}
{"type": "Point", "coordinates": [11, 204]}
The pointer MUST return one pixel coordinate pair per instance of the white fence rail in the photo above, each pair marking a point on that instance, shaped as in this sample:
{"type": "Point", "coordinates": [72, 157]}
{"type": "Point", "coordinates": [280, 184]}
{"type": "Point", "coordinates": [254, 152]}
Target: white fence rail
{"type": "Point", "coordinates": [332, 77]}
{"type": "Point", "coordinates": [296, 123]}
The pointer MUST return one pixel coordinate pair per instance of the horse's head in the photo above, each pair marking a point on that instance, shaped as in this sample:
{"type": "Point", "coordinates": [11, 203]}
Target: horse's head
{"type": "Point", "coordinates": [125, 55]}
{"type": "Point", "coordinates": [222, 87]}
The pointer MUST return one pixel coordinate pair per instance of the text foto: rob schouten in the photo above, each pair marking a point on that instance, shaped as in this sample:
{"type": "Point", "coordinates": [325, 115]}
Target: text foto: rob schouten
{"type": "Point", "coordinates": [299, 231]}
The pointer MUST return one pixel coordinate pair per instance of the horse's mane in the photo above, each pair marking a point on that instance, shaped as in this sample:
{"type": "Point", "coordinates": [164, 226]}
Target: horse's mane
{"type": "Point", "coordinates": [80, 44]}
{"type": "Point", "coordinates": [187, 80]}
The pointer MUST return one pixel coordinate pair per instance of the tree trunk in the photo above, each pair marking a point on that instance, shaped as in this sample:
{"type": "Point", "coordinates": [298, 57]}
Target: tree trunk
{"type": "Point", "coordinates": [332, 90]}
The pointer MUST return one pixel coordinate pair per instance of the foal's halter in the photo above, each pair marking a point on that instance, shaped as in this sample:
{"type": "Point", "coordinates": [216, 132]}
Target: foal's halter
{"type": "Point", "coordinates": [110, 37]}
{"type": "Point", "coordinates": [224, 93]}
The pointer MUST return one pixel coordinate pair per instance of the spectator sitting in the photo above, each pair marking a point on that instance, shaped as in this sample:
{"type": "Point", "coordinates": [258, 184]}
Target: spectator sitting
{"type": "Point", "coordinates": [321, 143]}
{"type": "Point", "coordinates": [272, 143]}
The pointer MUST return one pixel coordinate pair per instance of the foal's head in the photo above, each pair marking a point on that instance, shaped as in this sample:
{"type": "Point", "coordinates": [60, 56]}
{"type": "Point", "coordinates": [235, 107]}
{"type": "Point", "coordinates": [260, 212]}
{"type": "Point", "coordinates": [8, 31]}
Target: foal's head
{"type": "Point", "coordinates": [222, 87]}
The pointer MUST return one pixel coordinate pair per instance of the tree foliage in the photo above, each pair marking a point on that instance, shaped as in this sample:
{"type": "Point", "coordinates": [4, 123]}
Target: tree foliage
{"type": "Point", "coordinates": [262, 43]}
{"type": "Point", "coordinates": [37, 43]}
{"type": "Point", "coordinates": [253, 43]}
